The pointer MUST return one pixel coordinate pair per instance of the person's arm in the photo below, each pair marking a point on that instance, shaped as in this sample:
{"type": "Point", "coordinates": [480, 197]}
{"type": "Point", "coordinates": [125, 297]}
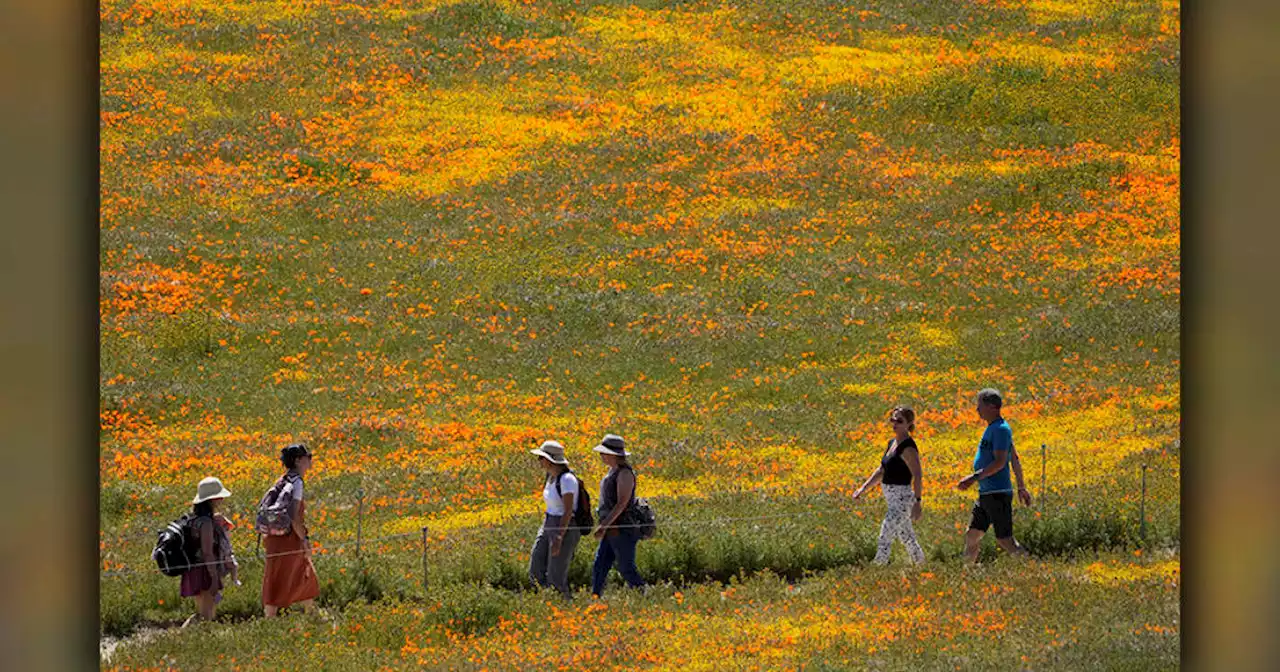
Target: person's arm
{"type": "Point", "coordinates": [298, 529]}
{"type": "Point", "coordinates": [912, 457]}
{"type": "Point", "coordinates": [871, 480]}
{"type": "Point", "coordinates": [1001, 459]}
{"type": "Point", "coordinates": [206, 547]}
{"type": "Point", "coordinates": [558, 537]}
{"type": "Point", "coordinates": [1023, 493]}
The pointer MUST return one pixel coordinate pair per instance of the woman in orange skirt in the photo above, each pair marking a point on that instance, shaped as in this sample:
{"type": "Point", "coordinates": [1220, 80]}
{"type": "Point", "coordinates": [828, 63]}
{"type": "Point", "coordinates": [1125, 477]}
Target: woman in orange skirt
{"type": "Point", "coordinates": [289, 577]}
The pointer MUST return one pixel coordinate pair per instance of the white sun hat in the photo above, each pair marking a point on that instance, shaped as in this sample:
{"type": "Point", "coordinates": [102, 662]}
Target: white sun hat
{"type": "Point", "coordinates": [552, 450]}
{"type": "Point", "coordinates": [210, 488]}
{"type": "Point", "coordinates": [612, 444]}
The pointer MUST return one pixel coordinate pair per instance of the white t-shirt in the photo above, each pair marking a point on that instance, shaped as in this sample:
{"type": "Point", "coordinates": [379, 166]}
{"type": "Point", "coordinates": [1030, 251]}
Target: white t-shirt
{"type": "Point", "coordinates": [568, 484]}
{"type": "Point", "coordinates": [293, 486]}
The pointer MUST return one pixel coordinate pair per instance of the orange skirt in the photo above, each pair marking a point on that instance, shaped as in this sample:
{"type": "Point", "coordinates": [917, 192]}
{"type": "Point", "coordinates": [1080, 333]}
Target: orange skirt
{"type": "Point", "coordinates": [291, 578]}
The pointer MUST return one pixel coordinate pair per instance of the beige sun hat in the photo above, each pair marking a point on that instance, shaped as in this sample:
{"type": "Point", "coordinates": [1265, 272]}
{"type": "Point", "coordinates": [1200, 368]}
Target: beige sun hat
{"type": "Point", "coordinates": [552, 450]}
{"type": "Point", "coordinates": [612, 444]}
{"type": "Point", "coordinates": [210, 488]}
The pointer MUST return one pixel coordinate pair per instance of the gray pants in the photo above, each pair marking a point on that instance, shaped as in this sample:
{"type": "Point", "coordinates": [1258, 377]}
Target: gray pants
{"type": "Point", "coordinates": [545, 570]}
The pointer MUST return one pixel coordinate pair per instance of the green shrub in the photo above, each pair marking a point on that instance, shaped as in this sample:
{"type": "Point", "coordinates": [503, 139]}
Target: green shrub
{"type": "Point", "coordinates": [344, 580]}
{"type": "Point", "coordinates": [468, 608]}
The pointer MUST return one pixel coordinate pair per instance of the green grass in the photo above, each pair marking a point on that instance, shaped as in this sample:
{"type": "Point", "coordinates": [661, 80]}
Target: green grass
{"type": "Point", "coordinates": [1043, 614]}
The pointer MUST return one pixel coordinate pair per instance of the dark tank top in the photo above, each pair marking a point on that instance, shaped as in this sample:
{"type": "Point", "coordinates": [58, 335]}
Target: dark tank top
{"type": "Point", "coordinates": [609, 495]}
{"type": "Point", "coordinates": [896, 471]}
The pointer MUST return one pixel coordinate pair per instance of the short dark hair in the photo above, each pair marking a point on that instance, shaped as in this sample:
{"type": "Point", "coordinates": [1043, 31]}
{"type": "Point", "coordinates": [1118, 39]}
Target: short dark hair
{"type": "Point", "coordinates": [991, 397]}
{"type": "Point", "coordinates": [290, 454]}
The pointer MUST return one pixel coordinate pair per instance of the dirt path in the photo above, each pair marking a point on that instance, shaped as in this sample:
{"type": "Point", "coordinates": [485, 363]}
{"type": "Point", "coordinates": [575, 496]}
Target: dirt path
{"type": "Point", "coordinates": [107, 645]}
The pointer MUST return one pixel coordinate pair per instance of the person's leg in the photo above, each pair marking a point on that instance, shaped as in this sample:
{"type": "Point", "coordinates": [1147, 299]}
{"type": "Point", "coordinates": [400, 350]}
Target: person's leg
{"type": "Point", "coordinates": [978, 525]}
{"type": "Point", "coordinates": [908, 536]}
{"type": "Point", "coordinates": [972, 543]}
{"type": "Point", "coordinates": [308, 606]}
{"type": "Point", "coordinates": [624, 547]}
{"type": "Point", "coordinates": [270, 610]}
{"type": "Point", "coordinates": [204, 608]}
{"type": "Point", "coordinates": [600, 569]}
{"type": "Point", "coordinates": [885, 543]}
{"type": "Point", "coordinates": [558, 566]}
{"type": "Point", "coordinates": [538, 557]}
{"type": "Point", "coordinates": [889, 526]}
{"type": "Point", "coordinates": [1002, 517]}
{"type": "Point", "coordinates": [195, 599]}
{"type": "Point", "coordinates": [206, 602]}
{"type": "Point", "coordinates": [1012, 547]}
{"type": "Point", "coordinates": [193, 617]}
{"type": "Point", "coordinates": [906, 532]}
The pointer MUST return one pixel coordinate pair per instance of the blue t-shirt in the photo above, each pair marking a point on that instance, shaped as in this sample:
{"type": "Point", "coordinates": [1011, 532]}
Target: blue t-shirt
{"type": "Point", "coordinates": [997, 436]}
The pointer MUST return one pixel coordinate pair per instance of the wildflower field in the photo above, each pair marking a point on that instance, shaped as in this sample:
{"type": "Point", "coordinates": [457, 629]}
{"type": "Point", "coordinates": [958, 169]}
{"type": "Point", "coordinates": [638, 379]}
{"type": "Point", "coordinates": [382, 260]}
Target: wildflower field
{"type": "Point", "coordinates": [424, 236]}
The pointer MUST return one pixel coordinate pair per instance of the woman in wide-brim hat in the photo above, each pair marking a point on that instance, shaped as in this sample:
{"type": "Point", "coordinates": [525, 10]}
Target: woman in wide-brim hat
{"type": "Point", "coordinates": [557, 538]}
{"type": "Point", "coordinates": [617, 532]}
{"type": "Point", "coordinates": [204, 581]}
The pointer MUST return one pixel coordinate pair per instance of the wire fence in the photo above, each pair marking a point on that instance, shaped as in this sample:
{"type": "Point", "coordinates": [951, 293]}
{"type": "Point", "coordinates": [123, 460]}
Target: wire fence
{"type": "Point", "coordinates": [1034, 463]}
{"type": "Point", "coordinates": [810, 510]}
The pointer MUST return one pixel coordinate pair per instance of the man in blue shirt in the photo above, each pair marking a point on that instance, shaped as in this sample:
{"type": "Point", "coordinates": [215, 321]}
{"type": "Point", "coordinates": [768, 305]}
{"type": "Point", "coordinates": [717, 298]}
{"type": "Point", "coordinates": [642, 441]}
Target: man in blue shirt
{"type": "Point", "coordinates": [991, 473]}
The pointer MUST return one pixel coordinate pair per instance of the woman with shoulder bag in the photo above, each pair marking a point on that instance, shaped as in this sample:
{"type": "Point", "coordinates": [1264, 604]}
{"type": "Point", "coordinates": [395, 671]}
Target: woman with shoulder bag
{"type": "Point", "coordinates": [617, 531]}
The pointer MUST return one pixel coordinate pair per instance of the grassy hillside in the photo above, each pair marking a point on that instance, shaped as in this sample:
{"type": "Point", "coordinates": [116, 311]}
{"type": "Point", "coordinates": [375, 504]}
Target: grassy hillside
{"type": "Point", "coordinates": [425, 236]}
{"type": "Point", "coordinates": [1114, 614]}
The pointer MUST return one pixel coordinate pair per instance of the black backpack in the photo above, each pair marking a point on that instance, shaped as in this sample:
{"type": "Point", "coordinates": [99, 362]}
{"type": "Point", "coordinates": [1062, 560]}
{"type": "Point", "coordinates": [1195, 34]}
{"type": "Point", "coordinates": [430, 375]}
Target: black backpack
{"type": "Point", "coordinates": [174, 553]}
{"type": "Point", "coordinates": [642, 517]}
{"type": "Point", "coordinates": [582, 517]}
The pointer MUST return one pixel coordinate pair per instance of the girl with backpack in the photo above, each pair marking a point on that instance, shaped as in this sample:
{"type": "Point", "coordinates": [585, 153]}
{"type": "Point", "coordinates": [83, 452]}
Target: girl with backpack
{"type": "Point", "coordinates": [288, 577]}
{"type": "Point", "coordinates": [900, 478]}
{"type": "Point", "coordinates": [619, 531]}
{"type": "Point", "coordinates": [563, 523]}
{"type": "Point", "coordinates": [214, 559]}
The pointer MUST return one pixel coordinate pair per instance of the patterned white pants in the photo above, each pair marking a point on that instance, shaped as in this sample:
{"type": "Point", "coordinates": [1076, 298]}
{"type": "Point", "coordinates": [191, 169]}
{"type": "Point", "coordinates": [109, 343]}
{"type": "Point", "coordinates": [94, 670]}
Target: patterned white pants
{"type": "Point", "coordinates": [897, 524]}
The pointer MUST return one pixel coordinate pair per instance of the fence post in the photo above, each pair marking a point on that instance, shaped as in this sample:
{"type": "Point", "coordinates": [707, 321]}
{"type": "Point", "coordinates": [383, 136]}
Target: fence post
{"type": "Point", "coordinates": [208, 332]}
{"type": "Point", "coordinates": [359, 519]}
{"type": "Point", "coordinates": [1044, 457]}
{"type": "Point", "coordinates": [424, 558]}
{"type": "Point", "coordinates": [1142, 509]}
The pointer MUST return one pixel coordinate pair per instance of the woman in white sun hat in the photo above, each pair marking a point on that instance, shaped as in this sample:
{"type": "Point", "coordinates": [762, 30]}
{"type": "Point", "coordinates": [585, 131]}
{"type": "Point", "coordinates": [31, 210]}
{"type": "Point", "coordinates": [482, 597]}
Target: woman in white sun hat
{"type": "Point", "coordinates": [558, 536]}
{"type": "Point", "coordinates": [617, 532]}
{"type": "Point", "coordinates": [215, 560]}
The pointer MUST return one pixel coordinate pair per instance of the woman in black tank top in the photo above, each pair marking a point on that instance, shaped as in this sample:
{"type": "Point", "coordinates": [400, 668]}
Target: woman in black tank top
{"type": "Point", "coordinates": [617, 530]}
{"type": "Point", "coordinates": [900, 477]}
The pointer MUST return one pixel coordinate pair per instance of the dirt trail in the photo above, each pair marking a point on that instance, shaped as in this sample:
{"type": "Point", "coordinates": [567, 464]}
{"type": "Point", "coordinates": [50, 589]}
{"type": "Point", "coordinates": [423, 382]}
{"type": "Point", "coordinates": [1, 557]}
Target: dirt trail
{"type": "Point", "coordinates": [107, 645]}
